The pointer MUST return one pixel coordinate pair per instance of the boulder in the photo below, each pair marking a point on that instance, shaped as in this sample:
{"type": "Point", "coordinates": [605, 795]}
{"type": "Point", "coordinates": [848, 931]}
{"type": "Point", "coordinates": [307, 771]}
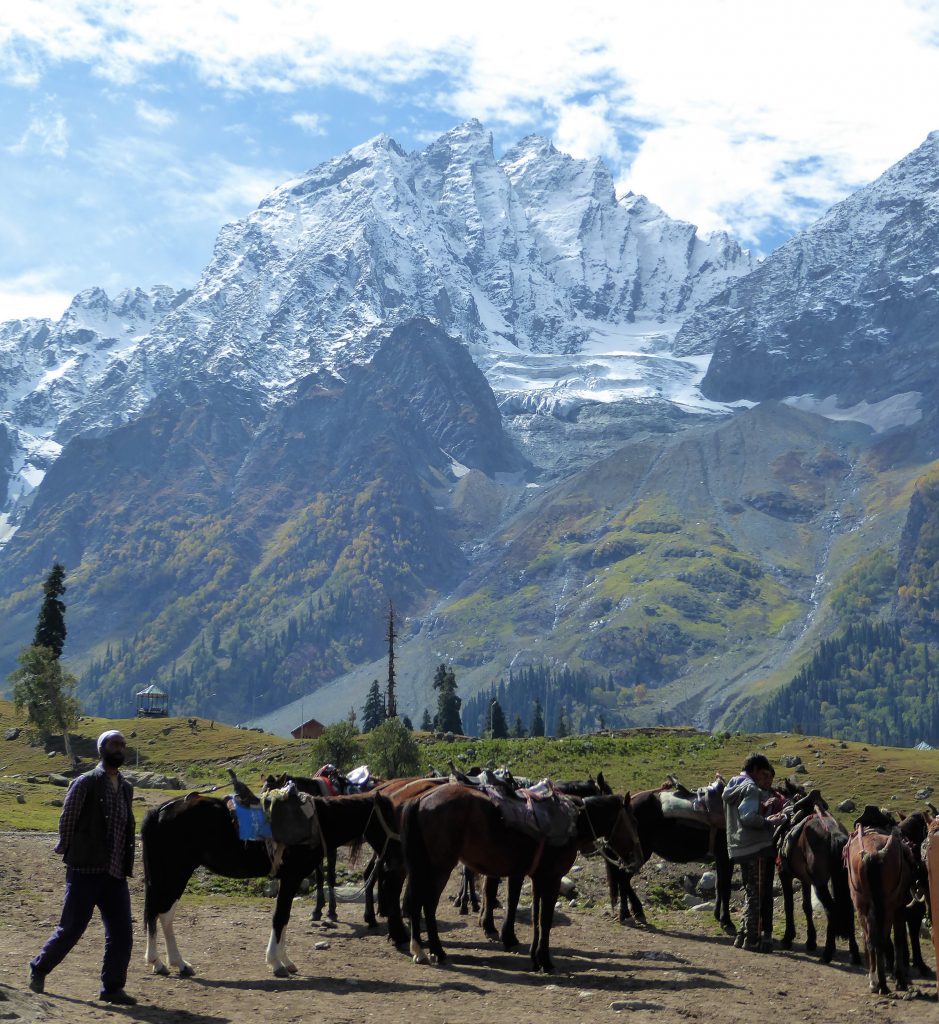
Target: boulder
{"type": "Point", "coordinates": [924, 794]}
{"type": "Point", "coordinates": [11, 734]}
{"type": "Point", "coordinates": [708, 882]}
{"type": "Point", "coordinates": [791, 760]}
{"type": "Point", "coordinates": [847, 805]}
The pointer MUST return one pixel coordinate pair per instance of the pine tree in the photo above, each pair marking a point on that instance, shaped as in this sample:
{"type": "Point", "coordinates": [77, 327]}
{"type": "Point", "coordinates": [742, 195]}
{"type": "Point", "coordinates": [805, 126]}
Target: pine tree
{"type": "Point", "coordinates": [447, 718]}
{"type": "Point", "coordinates": [563, 729]}
{"type": "Point", "coordinates": [50, 627]}
{"type": "Point", "coordinates": [518, 730]}
{"type": "Point", "coordinates": [373, 712]}
{"type": "Point", "coordinates": [537, 720]}
{"type": "Point", "coordinates": [498, 729]}
{"type": "Point", "coordinates": [427, 723]}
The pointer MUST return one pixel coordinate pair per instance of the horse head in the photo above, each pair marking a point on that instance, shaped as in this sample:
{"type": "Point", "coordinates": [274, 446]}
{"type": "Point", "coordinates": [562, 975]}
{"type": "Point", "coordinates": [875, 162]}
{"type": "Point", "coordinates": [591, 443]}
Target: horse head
{"type": "Point", "coordinates": [623, 836]}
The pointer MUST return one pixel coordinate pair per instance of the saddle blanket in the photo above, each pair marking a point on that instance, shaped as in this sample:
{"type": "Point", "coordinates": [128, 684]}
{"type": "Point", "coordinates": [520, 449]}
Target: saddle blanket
{"type": "Point", "coordinates": [251, 821]}
{"type": "Point", "coordinates": [539, 812]}
{"type": "Point", "coordinates": [696, 811]}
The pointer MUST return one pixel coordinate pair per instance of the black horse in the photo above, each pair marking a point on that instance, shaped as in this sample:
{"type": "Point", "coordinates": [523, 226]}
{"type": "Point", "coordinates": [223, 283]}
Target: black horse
{"type": "Point", "coordinates": [198, 831]}
{"type": "Point", "coordinates": [677, 840]}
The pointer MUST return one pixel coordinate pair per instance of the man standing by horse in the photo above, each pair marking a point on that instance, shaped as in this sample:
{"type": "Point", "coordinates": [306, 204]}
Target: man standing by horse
{"type": "Point", "coordinates": [750, 844]}
{"type": "Point", "coordinates": [96, 841]}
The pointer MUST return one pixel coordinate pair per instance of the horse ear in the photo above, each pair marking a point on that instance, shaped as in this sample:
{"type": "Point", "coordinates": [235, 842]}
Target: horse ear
{"type": "Point", "coordinates": [626, 799]}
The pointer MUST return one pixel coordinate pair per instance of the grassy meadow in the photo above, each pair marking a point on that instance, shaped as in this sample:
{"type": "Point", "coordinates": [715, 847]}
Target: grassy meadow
{"type": "Point", "coordinates": [201, 753]}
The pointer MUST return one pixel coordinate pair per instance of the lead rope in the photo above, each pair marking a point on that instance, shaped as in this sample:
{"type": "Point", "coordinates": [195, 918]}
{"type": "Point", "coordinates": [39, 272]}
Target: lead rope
{"type": "Point", "coordinates": [376, 864]}
{"type": "Point", "coordinates": [602, 846]}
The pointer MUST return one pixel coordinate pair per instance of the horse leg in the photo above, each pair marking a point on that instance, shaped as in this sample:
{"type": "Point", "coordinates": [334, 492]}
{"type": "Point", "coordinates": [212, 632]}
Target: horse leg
{"type": "Point", "coordinates": [785, 881]}
{"type": "Point", "coordinates": [548, 891]}
{"type": "Point", "coordinates": [317, 912]}
{"type": "Point", "coordinates": [486, 915]}
{"type": "Point", "coordinates": [831, 913]}
{"type": "Point", "coordinates": [390, 892]}
{"type": "Point", "coordinates": [811, 937]}
{"type": "Point", "coordinates": [463, 897]}
{"type": "Point", "coordinates": [508, 936]}
{"type": "Point", "coordinates": [628, 897]}
{"type": "Point", "coordinates": [914, 919]}
{"type": "Point", "coordinates": [474, 896]}
{"type": "Point", "coordinates": [276, 956]}
{"type": "Point", "coordinates": [172, 949]}
{"type": "Point", "coordinates": [331, 882]}
{"type": "Point", "coordinates": [725, 871]}
{"type": "Point", "coordinates": [901, 952]}
{"type": "Point", "coordinates": [370, 918]}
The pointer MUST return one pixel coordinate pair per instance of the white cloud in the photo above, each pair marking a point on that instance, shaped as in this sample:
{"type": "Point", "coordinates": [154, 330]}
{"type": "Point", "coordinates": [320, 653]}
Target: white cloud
{"type": "Point", "coordinates": [312, 124]}
{"type": "Point", "coordinates": [707, 106]}
{"type": "Point", "coordinates": [46, 133]}
{"type": "Point", "coordinates": [156, 117]}
{"type": "Point", "coordinates": [32, 295]}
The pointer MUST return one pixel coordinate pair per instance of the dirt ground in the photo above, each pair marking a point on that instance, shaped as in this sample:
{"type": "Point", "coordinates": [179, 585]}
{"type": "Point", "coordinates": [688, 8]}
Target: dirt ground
{"type": "Point", "coordinates": [680, 970]}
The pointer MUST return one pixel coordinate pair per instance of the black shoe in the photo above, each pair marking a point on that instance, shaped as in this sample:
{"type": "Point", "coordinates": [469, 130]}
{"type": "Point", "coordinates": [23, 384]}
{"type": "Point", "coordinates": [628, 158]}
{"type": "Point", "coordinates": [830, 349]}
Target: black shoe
{"type": "Point", "coordinates": [118, 996]}
{"type": "Point", "coordinates": [37, 981]}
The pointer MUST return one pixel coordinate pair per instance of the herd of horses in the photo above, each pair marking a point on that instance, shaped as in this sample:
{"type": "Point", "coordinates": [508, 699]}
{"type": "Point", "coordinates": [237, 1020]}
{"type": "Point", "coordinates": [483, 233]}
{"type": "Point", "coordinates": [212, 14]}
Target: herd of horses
{"type": "Point", "coordinates": [420, 829]}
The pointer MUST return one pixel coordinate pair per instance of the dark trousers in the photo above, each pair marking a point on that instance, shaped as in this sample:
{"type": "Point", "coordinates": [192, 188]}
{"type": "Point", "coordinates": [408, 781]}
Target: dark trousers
{"type": "Point", "coordinates": [84, 892]}
{"type": "Point", "coordinates": [757, 875]}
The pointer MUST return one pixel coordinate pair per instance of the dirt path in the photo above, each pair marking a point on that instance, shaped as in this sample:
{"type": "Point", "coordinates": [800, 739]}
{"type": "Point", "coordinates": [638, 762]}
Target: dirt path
{"type": "Point", "coordinates": [681, 971]}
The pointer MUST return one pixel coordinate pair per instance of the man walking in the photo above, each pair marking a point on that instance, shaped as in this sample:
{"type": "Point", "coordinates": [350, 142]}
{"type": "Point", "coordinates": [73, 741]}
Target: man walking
{"type": "Point", "coordinates": [96, 841]}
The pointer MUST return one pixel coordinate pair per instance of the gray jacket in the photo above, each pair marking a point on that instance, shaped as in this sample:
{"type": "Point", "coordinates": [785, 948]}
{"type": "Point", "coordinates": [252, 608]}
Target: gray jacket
{"type": "Point", "coordinates": [748, 832]}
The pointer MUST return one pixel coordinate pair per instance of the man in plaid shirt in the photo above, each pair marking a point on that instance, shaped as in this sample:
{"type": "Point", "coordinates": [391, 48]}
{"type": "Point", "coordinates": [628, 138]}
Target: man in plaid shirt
{"type": "Point", "coordinates": [96, 840]}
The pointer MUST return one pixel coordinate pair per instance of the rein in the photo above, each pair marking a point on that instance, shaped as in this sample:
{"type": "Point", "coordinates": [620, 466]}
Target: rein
{"type": "Point", "coordinates": [602, 846]}
{"type": "Point", "coordinates": [390, 836]}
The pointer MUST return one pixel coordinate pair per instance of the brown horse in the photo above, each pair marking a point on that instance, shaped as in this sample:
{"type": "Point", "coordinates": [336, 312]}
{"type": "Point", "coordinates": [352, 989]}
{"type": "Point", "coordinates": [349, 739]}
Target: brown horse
{"type": "Point", "coordinates": [880, 876]}
{"type": "Point", "coordinates": [930, 852]}
{"type": "Point", "coordinates": [457, 823]}
{"type": "Point", "coordinates": [815, 855]}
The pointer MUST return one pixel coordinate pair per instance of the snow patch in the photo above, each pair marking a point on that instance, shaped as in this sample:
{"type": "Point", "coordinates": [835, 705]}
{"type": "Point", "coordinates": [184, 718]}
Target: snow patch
{"type": "Point", "coordinates": [900, 410]}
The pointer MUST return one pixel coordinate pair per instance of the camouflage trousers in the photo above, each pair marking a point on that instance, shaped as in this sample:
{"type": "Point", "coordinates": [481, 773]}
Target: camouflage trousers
{"type": "Point", "coordinates": [757, 874]}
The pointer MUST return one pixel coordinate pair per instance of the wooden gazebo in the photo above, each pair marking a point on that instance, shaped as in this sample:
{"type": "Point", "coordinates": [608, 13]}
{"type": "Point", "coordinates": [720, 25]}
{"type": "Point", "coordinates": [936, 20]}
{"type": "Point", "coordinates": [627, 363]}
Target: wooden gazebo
{"type": "Point", "coordinates": [152, 702]}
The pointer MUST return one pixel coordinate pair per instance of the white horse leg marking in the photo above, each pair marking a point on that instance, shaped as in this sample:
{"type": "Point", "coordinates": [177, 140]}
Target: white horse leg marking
{"type": "Point", "coordinates": [417, 953]}
{"type": "Point", "coordinates": [172, 949]}
{"type": "Point", "coordinates": [273, 957]}
{"type": "Point", "coordinates": [287, 962]}
{"type": "Point", "coordinates": [153, 957]}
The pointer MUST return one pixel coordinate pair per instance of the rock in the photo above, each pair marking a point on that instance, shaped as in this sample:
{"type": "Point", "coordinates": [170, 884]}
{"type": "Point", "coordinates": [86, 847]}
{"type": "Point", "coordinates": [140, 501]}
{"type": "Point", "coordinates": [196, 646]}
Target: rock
{"type": "Point", "coordinates": [791, 760]}
{"type": "Point", "coordinates": [847, 805]}
{"type": "Point", "coordinates": [154, 780]}
{"type": "Point", "coordinates": [20, 799]}
{"type": "Point", "coordinates": [271, 887]}
{"type": "Point", "coordinates": [708, 882]}
{"type": "Point", "coordinates": [321, 945]}
{"type": "Point", "coordinates": [634, 1004]}
{"type": "Point", "coordinates": [56, 802]}
{"type": "Point", "coordinates": [691, 900]}
{"type": "Point", "coordinates": [800, 769]}
{"type": "Point", "coordinates": [11, 734]}
{"type": "Point", "coordinates": [924, 794]}
{"type": "Point", "coordinates": [880, 768]}
{"type": "Point", "coordinates": [58, 780]}
{"type": "Point", "coordinates": [703, 907]}
{"type": "Point", "coordinates": [690, 883]}
{"type": "Point", "coordinates": [567, 886]}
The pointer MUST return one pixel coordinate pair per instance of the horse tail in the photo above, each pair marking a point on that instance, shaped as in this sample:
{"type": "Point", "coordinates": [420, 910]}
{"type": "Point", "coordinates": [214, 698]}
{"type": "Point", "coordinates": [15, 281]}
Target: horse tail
{"type": "Point", "coordinates": [843, 916]}
{"type": "Point", "coordinates": [416, 856]}
{"type": "Point", "coordinates": [149, 838]}
{"type": "Point", "coordinates": [871, 873]}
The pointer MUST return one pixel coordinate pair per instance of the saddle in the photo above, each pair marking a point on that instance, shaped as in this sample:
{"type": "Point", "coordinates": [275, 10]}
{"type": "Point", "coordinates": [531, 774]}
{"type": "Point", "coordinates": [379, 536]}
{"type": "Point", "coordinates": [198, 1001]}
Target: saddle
{"type": "Point", "coordinates": [539, 812]}
{"type": "Point", "coordinates": [703, 807]}
{"type": "Point", "coordinates": [877, 818]}
{"type": "Point", "coordinates": [251, 822]}
{"type": "Point", "coordinates": [292, 816]}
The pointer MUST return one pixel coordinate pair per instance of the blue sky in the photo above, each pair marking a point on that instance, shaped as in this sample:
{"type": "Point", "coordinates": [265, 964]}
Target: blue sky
{"type": "Point", "coordinates": [131, 130]}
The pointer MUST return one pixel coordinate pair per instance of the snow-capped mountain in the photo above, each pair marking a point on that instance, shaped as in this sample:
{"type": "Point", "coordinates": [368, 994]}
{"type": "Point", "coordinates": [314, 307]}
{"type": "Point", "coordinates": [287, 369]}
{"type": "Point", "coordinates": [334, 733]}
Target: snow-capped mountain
{"type": "Point", "coordinates": [560, 289]}
{"type": "Point", "coordinates": [49, 370]}
{"type": "Point", "coordinates": [845, 311]}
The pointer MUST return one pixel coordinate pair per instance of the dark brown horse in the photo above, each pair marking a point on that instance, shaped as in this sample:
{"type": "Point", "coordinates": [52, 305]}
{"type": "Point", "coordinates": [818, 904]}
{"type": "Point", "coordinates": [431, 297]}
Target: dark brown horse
{"type": "Point", "coordinates": [815, 855]}
{"type": "Point", "coordinates": [880, 876]}
{"type": "Point", "coordinates": [457, 823]}
{"type": "Point", "coordinates": [676, 840]}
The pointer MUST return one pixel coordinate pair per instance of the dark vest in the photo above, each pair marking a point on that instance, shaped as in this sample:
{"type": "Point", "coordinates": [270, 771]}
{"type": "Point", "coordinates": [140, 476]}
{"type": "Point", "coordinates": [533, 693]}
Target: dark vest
{"type": "Point", "coordinates": [89, 845]}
